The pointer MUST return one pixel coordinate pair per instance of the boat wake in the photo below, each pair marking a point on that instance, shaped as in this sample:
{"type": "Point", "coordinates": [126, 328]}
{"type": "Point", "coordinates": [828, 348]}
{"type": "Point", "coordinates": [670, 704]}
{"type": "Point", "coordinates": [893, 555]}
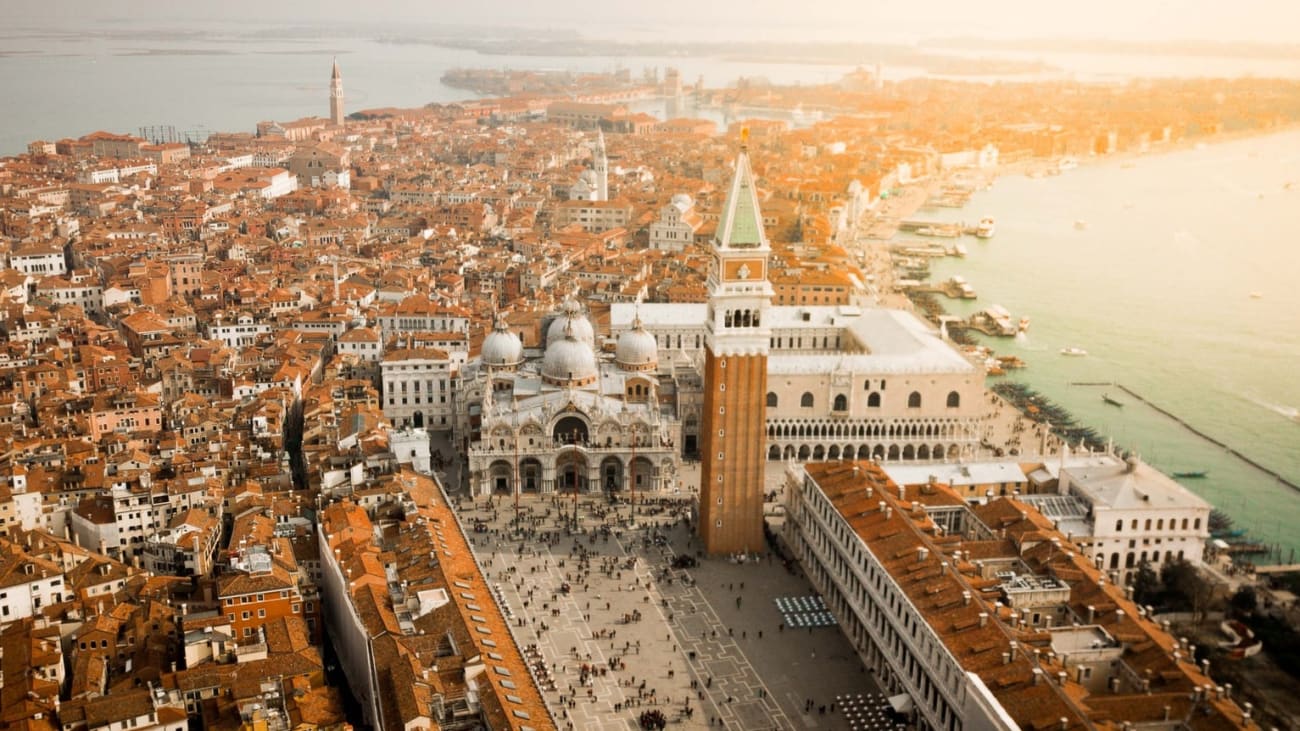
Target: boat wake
{"type": "Point", "coordinates": [1289, 412]}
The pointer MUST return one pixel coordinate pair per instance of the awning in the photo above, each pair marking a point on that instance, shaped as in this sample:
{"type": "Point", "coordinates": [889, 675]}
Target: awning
{"type": "Point", "coordinates": [902, 703]}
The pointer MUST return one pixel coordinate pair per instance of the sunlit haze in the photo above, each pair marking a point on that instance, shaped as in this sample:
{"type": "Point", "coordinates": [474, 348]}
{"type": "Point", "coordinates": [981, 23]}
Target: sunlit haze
{"type": "Point", "coordinates": [841, 20]}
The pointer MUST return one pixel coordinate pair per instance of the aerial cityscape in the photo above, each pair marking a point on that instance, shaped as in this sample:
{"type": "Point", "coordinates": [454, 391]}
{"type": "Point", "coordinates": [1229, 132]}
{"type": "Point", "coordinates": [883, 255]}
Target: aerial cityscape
{"type": "Point", "coordinates": [518, 368]}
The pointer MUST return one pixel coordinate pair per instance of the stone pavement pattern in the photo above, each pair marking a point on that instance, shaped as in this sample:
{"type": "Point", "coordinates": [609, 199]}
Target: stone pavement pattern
{"type": "Point", "coordinates": [694, 641]}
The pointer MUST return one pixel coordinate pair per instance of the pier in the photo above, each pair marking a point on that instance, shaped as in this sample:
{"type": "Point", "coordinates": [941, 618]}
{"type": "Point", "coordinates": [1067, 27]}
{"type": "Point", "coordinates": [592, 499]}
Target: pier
{"type": "Point", "coordinates": [937, 228]}
{"type": "Point", "coordinates": [1208, 438]}
{"type": "Point", "coordinates": [1279, 570]}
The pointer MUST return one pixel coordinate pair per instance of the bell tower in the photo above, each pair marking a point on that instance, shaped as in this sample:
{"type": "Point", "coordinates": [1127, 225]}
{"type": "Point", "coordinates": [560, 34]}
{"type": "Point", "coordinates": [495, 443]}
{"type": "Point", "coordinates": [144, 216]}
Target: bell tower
{"type": "Point", "coordinates": [602, 168]}
{"type": "Point", "coordinates": [736, 339]}
{"type": "Point", "coordinates": [336, 95]}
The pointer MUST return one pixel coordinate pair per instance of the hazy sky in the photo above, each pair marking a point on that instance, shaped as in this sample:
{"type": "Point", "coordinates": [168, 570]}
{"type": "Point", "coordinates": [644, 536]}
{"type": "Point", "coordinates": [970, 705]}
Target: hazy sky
{"type": "Point", "coordinates": [867, 20]}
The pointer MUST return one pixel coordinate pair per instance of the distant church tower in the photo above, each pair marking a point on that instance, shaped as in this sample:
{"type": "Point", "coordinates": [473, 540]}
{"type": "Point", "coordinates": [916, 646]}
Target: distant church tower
{"type": "Point", "coordinates": [336, 95]}
{"type": "Point", "coordinates": [602, 168]}
{"type": "Point", "coordinates": [732, 431]}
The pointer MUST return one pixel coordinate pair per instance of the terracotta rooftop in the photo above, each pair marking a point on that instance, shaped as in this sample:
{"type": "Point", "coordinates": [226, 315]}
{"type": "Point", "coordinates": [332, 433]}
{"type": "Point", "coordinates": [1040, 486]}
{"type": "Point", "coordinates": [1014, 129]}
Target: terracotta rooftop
{"type": "Point", "coordinates": [906, 541]}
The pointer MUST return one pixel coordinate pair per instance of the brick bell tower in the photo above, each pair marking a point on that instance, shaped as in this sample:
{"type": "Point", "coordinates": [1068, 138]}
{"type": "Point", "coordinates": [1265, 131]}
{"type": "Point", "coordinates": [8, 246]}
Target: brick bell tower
{"type": "Point", "coordinates": [732, 430]}
{"type": "Point", "coordinates": [336, 96]}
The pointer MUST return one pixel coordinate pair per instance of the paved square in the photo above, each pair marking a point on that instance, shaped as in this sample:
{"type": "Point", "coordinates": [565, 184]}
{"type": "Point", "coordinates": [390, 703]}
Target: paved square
{"type": "Point", "coordinates": [632, 632]}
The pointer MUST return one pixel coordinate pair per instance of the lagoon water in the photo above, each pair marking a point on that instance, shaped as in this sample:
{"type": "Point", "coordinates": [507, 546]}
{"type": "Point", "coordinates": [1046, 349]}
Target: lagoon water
{"type": "Point", "coordinates": [65, 85]}
{"type": "Point", "coordinates": [120, 75]}
{"type": "Point", "coordinates": [1158, 289]}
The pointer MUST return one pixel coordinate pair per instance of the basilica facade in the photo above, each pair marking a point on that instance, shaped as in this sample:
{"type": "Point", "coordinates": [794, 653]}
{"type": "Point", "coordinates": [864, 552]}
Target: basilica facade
{"type": "Point", "coordinates": [572, 420]}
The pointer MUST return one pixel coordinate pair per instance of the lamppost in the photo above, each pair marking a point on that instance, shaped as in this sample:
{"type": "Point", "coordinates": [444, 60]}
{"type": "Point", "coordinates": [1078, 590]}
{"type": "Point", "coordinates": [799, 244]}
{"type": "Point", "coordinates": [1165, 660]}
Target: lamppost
{"type": "Point", "coordinates": [573, 440]}
{"type": "Point", "coordinates": [631, 470]}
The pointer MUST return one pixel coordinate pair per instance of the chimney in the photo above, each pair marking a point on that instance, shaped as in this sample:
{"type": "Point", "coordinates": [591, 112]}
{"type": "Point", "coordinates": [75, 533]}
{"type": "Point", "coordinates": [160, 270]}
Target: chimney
{"type": "Point", "coordinates": [889, 513]}
{"type": "Point", "coordinates": [984, 619]}
{"type": "Point", "coordinates": [1113, 683]}
{"type": "Point", "coordinates": [1038, 676]}
{"type": "Point", "coordinates": [870, 492]}
{"type": "Point", "coordinates": [1167, 709]}
{"type": "Point", "coordinates": [1065, 723]}
{"type": "Point", "coordinates": [1061, 677]}
{"type": "Point", "coordinates": [1246, 709]}
{"type": "Point", "coordinates": [1006, 658]}
{"type": "Point", "coordinates": [1227, 690]}
{"type": "Point", "coordinates": [882, 504]}
{"type": "Point", "coordinates": [1205, 666]}
{"type": "Point", "coordinates": [921, 554]}
{"type": "Point", "coordinates": [1078, 674]}
{"type": "Point", "coordinates": [965, 598]}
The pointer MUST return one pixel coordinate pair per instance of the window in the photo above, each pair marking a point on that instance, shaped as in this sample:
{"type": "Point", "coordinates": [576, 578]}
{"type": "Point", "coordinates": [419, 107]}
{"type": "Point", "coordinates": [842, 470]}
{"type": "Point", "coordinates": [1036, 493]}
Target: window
{"type": "Point", "coordinates": [806, 401]}
{"type": "Point", "coordinates": [771, 399]}
{"type": "Point", "coordinates": [1119, 526]}
{"type": "Point", "coordinates": [954, 399]}
{"type": "Point", "coordinates": [914, 400]}
{"type": "Point", "coordinates": [873, 401]}
{"type": "Point", "coordinates": [841, 403]}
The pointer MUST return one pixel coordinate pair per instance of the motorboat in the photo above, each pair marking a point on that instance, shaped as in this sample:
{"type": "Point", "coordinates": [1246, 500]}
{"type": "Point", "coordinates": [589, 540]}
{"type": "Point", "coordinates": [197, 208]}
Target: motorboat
{"type": "Point", "coordinates": [1073, 351]}
{"type": "Point", "coordinates": [985, 228]}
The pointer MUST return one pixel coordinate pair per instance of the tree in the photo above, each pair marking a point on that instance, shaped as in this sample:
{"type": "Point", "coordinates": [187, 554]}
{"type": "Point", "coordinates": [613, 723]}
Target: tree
{"type": "Point", "coordinates": [1146, 584]}
{"type": "Point", "coordinates": [1182, 580]}
{"type": "Point", "coordinates": [1244, 601]}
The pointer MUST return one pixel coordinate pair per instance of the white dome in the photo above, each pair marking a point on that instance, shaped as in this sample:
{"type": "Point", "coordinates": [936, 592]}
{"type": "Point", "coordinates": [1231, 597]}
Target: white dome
{"type": "Point", "coordinates": [571, 319]}
{"type": "Point", "coordinates": [569, 361]}
{"type": "Point", "coordinates": [637, 349]}
{"type": "Point", "coordinates": [502, 348]}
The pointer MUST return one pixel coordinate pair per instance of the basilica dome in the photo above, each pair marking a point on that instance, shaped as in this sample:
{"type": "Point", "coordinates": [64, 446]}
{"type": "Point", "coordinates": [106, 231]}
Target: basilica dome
{"type": "Point", "coordinates": [569, 362]}
{"type": "Point", "coordinates": [637, 349]}
{"type": "Point", "coordinates": [573, 320]}
{"type": "Point", "coordinates": [502, 348]}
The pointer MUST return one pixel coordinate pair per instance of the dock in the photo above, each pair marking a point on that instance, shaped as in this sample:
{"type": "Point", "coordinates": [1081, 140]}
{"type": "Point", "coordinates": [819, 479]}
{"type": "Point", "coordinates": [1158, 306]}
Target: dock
{"type": "Point", "coordinates": [1279, 570]}
{"type": "Point", "coordinates": [945, 229]}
